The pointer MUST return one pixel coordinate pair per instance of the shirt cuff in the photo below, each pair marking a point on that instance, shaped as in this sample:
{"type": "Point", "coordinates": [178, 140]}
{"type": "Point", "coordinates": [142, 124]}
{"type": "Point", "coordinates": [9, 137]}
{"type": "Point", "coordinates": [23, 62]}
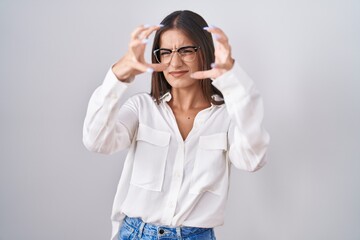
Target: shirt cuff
{"type": "Point", "coordinates": [114, 87]}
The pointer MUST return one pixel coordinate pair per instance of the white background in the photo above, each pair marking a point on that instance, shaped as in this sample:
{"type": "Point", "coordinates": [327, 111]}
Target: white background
{"type": "Point", "coordinates": [304, 56]}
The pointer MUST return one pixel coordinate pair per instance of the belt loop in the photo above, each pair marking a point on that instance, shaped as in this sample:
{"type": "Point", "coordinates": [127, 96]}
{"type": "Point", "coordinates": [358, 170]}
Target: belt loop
{"type": "Point", "coordinates": [178, 232]}
{"type": "Point", "coordinates": [141, 229]}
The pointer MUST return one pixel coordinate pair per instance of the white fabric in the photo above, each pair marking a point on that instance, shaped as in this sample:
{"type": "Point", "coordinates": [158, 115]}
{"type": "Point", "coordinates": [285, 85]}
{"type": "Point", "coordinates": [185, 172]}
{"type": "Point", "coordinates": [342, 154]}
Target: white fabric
{"type": "Point", "coordinates": [167, 180]}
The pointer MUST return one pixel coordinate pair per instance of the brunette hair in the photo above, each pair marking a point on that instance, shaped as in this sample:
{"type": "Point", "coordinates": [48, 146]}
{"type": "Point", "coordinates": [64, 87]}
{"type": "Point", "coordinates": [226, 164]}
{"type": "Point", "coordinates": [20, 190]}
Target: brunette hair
{"type": "Point", "coordinates": [191, 24]}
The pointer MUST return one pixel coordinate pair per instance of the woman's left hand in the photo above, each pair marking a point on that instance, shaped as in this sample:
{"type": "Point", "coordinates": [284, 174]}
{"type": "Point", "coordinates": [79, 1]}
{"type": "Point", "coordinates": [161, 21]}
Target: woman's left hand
{"type": "Point", "coordinates": [223, 60]}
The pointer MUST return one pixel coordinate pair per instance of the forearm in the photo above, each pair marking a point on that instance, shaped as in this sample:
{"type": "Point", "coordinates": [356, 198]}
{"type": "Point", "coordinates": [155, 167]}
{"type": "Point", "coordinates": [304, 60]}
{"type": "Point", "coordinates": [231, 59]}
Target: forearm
{"type": "Point", "coordinates": [102, 132]}
{"type": "Point", "coordinates": [247, 137]}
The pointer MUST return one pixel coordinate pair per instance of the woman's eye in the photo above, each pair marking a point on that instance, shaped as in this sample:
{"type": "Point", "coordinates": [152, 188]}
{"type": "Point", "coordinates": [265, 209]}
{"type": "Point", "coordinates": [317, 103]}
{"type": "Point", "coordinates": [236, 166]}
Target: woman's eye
{"type": "Point", "coordinates": [187, 51]}
{"type": "Point", "coordinates": [165, 53]}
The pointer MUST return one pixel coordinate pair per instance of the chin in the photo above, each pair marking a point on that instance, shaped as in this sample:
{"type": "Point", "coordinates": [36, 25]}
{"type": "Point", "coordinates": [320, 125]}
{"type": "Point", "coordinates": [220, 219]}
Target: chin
{"type": "Point", "coordinates": [182, 82]}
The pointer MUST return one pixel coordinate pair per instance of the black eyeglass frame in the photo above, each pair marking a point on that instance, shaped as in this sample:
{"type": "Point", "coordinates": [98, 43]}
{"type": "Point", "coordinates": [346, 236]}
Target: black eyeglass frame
{"type": "Point", "coordinates": [156, 51]}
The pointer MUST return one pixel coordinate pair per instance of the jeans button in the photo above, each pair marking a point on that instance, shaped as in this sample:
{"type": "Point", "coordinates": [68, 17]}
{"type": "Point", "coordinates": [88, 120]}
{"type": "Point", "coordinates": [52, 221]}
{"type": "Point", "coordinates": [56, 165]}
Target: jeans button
{"type": "Point", "coordinates": [161, 231]}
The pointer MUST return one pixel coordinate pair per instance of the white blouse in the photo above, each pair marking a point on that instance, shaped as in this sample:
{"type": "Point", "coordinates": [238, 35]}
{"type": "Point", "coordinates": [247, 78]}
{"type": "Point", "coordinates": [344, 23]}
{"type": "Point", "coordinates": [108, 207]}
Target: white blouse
{"type": "Point", "coordinates": [166, 180]}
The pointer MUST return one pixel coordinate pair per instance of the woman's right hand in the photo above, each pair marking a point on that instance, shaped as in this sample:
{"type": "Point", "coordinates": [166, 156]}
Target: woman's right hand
{"type": "Point", "coordinates": [133, 63]}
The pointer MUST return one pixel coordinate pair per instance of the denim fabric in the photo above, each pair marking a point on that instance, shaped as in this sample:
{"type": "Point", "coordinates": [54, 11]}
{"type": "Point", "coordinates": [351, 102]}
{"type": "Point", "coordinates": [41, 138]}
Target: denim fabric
{"type": "Point", "coordinates": [136, 229]}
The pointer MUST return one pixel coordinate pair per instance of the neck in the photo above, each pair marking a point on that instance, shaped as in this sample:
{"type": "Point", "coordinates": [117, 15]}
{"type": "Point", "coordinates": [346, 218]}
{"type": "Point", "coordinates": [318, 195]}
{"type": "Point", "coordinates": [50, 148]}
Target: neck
{"type": "Point", "coordinates": [186, 99]}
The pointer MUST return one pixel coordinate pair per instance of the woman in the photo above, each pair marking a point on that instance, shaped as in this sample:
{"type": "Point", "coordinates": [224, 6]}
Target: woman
{"type": "Point", "coordinates": [203, 115]}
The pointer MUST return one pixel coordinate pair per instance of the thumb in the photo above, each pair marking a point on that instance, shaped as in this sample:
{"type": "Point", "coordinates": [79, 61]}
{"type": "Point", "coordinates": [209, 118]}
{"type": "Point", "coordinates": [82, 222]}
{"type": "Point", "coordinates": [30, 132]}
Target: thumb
{"type": "Point", "coordinates": [204, 74]}
{"type": "Point", "coordinates": [142, 67]}
{"type": "Point", "coordinates": [158, 67]}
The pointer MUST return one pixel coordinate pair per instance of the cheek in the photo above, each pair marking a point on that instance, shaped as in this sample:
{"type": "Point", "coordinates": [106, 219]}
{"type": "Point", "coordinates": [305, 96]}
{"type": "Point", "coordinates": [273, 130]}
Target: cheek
{"type": "Point", "coordinates": [194, 66]}
{"type": "Point", "coordinates": [197, 65]}
{"type": "Point", "coordinates": [166, 74]}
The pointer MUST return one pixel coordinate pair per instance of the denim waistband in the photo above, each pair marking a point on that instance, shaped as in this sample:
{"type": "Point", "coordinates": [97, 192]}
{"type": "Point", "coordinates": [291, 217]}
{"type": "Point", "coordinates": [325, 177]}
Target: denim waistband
{"type": "Point", "coordinates": [163, 231]}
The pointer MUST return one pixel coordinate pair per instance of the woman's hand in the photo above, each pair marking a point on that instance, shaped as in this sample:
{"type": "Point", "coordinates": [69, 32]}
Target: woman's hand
{"type": "Point", "coordinates": [223, 60]}
{"type": "Point", "coordinates": [133, 63]}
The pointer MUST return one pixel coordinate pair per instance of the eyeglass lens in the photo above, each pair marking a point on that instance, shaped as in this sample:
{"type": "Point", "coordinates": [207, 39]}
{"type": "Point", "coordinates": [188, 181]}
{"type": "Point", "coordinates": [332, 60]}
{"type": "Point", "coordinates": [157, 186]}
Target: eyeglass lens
{"type": "Point", "coordinates": [187, 54]}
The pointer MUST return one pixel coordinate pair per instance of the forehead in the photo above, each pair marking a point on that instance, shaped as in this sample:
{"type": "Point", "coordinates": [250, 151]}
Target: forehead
{"type": "Point", "coordinates": [174, 38]}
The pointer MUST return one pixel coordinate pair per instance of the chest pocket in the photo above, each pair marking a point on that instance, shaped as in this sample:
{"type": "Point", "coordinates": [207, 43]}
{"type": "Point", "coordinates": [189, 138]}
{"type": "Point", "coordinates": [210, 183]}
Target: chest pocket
{"type": "Point", "coordinates": [150, 158]}
{"type": "Point", "coordinates": [210, 170]}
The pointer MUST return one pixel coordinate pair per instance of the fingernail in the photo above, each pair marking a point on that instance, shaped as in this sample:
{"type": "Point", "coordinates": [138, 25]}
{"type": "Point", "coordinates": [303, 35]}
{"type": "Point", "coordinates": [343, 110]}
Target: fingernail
{"type": "Point", "coordinates": [209, 27]}
{"type": "Point", "coordinates": [216, 36]}
{"type": "Point", "coordinates": [149, 70]}
{"type": "Point", "coordinates": [145, 40]}
{"type": "Point", "coordinates": [146, 25]}
{"type": "Point", "coordinates": [192, 75]}
{"type": "Point", "coordinates": [213, 65]}
{"type": "Point", "coordinates": [161, 25]}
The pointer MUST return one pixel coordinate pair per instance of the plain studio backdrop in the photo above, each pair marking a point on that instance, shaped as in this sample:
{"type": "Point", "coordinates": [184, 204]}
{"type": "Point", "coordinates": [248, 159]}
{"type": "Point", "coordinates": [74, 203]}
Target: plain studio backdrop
{"type": "Point", "coordinates": [304, 56]}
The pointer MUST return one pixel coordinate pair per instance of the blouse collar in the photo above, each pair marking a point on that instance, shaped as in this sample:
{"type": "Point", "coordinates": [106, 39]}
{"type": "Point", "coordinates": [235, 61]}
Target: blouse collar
{"type": "Point", "coordinates": [167, 97]}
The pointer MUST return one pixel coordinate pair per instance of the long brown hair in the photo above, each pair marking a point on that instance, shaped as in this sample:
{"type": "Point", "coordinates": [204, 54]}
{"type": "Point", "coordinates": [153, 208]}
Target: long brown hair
{"type": "Point", "coordinates": [191, 24]}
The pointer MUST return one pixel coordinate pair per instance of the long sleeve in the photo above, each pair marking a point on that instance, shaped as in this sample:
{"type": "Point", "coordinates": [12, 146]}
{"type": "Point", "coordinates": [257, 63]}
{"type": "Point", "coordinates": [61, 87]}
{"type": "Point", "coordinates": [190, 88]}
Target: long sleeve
{"type": "Point", "coordinates": [248, 140]}
{"type": "Point", "coordinates": [108, 127]}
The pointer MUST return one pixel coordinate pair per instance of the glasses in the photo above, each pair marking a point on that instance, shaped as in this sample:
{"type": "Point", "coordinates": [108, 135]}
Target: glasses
{"type": "Point", "coordinates": [187, 54]}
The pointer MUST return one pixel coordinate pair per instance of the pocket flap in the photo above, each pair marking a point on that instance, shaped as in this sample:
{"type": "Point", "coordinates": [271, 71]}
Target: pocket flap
{"type": "Point", "coordinates": [214, 141]}
{"type": "Point", "coordinates": [153, 136]}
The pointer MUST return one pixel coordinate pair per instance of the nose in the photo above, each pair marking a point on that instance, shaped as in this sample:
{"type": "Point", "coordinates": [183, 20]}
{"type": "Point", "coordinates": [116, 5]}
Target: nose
{"type": "Point", "coordinates": [176, 60]}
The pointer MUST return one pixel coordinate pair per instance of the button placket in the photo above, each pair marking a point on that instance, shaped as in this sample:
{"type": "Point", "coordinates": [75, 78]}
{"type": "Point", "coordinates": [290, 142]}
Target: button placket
{"type": "Point", "coordinates": [176, 182]}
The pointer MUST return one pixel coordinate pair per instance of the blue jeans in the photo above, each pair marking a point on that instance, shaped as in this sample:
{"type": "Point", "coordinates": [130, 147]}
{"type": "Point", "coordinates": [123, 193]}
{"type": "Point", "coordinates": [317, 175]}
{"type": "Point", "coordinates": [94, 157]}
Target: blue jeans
{"type": "Point", "coordinates": [136, 229]}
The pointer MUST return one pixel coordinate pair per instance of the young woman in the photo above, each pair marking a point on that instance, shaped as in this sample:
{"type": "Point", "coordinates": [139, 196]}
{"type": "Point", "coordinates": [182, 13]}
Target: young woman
{"type": "Point", "coordinates": [203, 115]}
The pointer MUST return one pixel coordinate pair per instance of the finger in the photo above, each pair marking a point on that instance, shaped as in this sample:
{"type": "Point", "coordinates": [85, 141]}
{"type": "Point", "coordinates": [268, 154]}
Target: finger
{"type": "Point", "coordinates": [150, 30]}
{"type": "Point", "coordinates": [218, 35]}
{"type": "Point", "coordinates": [138, 30]}
{"type": "Point", "coordinates": [138, 42]}
{"type": "Point", "coordinates": [158, 67]}
{"type": "Point", "coordinates": [146, 67]}
{"type": "Point", "coordinates": [215, 30]}
{"type": "Point", "coordinates": [213, 73]}
{"type": "Point", "coordinates": [228, 65]}
{"type": "Point", "coordinates": [141, 67]}
{"type": "Point", "coordinates": [221, 39]}
{"type": "Point", "coordinates": [144, 32]}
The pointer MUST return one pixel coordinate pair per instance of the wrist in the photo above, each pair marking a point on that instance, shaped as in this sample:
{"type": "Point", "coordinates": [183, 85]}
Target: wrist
{"type": "Point", "coordinates": [119, 75]}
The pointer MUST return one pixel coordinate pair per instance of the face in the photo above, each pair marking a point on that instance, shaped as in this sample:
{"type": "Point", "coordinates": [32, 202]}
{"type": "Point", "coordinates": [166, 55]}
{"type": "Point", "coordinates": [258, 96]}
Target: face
{"type": "Point", "coordinates": [178, 72]}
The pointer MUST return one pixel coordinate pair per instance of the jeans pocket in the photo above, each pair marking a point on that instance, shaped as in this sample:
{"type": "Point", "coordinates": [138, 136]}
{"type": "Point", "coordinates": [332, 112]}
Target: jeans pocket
{"type": "Point", "coordinates": [206, 235]}
{"type": "Point", "coordinates": [126, 233]}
